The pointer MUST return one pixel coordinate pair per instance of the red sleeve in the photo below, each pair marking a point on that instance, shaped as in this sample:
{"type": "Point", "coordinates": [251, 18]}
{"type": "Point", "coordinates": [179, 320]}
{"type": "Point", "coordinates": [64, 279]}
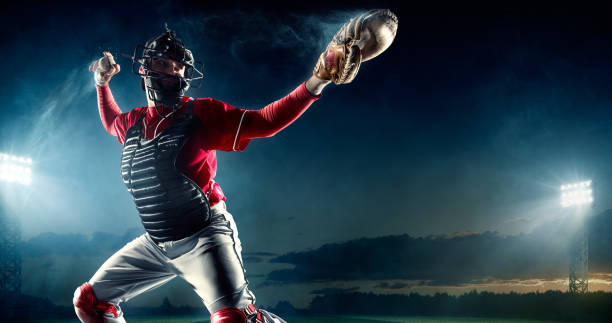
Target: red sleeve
{"type": "Point", "coordinates": [113, 120]}
{"type": "Point", "coordinates": [108, 108]}
{"type": "Point", "coordinates": [277, 115]}
{"type": "Point", "coordinates": [228, 128]}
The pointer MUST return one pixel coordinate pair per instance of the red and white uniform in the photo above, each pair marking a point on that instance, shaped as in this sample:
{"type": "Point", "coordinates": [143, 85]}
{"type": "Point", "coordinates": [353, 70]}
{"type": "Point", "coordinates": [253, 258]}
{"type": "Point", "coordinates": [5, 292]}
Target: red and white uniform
{"type": "Point", "coordinates": [209, 260]}
{"type": "Point", "coordinates": [224, 127]}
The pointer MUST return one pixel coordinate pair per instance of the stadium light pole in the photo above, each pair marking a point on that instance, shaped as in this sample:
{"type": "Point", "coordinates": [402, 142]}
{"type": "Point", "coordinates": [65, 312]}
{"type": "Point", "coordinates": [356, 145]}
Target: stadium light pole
{"type": "Point", "coordinates": [14, 170]}
{"type": "Point", "coordinates": [578, 195]}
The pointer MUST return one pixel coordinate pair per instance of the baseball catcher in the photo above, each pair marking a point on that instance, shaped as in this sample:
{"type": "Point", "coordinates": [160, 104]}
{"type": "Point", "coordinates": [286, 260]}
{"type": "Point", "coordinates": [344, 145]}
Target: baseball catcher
{"type": "Point", "coordinates": [168, 165]}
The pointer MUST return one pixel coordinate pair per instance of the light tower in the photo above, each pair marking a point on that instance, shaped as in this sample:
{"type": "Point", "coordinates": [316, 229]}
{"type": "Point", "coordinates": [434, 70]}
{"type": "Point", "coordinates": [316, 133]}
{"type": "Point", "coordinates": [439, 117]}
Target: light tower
{"type": "Point", "coordinates": [578, 195]}
{"type": "Point", "coordinates": [14, 170]}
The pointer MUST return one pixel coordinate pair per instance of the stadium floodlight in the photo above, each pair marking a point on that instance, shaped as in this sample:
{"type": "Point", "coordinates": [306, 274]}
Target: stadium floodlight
{"type": "Point", "coordinates": [576, 194]}
{"type": "Point", "coordinates": [15, 169]}
{"type": "Point", "coordinates": [573, 195]}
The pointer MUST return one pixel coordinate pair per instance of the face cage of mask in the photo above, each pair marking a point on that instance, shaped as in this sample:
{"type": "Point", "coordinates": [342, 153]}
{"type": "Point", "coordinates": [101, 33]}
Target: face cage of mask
{"type": "Point", "coordinates": [157, 91]}
{"type": "Point", "coordinates": [165, 89]}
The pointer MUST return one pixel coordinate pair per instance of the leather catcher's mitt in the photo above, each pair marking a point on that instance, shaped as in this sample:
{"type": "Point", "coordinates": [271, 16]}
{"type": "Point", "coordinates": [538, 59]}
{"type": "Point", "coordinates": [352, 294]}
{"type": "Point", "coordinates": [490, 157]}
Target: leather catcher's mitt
{"type": "Point", "coordinates": [361, 39]}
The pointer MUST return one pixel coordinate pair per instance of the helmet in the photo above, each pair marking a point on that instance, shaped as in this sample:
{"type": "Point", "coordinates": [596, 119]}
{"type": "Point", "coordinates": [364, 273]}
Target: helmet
{"type": "Point", "coordinates": [167, 46]}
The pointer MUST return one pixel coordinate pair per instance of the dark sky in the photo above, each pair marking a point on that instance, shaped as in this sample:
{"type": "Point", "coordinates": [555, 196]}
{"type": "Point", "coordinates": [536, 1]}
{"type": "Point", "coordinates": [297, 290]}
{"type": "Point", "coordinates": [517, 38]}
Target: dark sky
{"type": "Point", "coordinates": [470, 121]}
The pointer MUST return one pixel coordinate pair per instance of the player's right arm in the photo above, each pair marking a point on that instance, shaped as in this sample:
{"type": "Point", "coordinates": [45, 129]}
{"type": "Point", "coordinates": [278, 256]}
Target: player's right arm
{"type": "Point", "coordinates": [104, 69]}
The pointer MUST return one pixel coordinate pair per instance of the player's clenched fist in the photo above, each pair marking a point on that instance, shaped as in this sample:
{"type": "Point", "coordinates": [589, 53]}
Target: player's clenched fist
{"type": "Point", "coordinates": [104, 68]}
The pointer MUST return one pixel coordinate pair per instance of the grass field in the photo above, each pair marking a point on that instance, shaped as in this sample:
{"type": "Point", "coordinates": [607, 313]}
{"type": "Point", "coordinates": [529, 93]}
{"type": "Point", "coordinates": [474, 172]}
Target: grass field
{"type": "Point", "coordinates": [329, 319]}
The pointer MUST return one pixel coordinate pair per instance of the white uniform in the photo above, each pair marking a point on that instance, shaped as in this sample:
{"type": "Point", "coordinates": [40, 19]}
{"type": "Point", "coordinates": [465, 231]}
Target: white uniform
{"type": "Point", "coordinates": [210, 261]}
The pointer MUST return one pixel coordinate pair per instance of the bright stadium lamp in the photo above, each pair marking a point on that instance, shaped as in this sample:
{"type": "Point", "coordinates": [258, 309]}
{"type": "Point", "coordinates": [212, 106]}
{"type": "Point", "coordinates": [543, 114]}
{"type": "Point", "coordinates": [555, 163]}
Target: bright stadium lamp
{"type": "Point", "coordinates": [15, 169]}
{"type": "Point", "coordinates": [576, 194]}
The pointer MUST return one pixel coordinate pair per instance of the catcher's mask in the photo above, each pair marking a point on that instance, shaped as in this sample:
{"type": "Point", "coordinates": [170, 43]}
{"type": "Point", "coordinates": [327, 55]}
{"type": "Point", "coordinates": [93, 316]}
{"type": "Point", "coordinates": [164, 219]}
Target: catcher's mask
{"type": "Point", "coordinates": [167, 46]}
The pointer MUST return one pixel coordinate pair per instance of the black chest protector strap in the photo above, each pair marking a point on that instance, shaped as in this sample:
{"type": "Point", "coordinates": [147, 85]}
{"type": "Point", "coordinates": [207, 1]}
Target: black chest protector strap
{"type": "Point", "coordinates": [171, 205]}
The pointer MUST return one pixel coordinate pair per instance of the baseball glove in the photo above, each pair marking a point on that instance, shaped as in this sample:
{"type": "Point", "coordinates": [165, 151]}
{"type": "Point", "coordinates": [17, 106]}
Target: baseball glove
{"type": "Point", "coordinates": [362, 38]}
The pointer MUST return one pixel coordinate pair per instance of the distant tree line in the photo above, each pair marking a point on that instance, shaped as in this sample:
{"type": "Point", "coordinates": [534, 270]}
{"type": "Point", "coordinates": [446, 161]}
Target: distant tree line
{"type": "Point", "coordinates": [15, 306]}
{"type": "Point", "coordinates": [551, 305]}
{"type": "Point", "coordinates": [596, 306]}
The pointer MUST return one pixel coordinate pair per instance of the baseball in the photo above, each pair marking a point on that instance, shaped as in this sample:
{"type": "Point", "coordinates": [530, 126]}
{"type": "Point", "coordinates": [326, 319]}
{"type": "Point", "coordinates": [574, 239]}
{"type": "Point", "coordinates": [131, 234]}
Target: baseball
{"type": "Point", "coordinates": [378, 32]}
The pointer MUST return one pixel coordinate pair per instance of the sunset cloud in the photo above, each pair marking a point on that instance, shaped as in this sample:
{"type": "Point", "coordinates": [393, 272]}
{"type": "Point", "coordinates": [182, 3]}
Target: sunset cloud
{"type": "Point", "coordinates": [455, 259]}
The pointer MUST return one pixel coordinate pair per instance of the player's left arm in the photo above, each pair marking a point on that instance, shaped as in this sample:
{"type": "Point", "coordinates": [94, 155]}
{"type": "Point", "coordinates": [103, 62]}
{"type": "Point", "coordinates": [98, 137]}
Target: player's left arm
{"type": "Point", "coordinates": [362, 38]}
{"type": "Point", "coordinates": [274, 117]}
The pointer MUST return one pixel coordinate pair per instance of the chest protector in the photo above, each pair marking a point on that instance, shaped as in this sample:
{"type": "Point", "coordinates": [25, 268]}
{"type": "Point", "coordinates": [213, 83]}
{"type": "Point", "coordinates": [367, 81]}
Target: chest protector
{"type": "Point", "coordinates": [171, 205]}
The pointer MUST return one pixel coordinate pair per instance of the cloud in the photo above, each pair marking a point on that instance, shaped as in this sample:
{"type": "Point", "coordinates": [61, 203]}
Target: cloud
{"type": "Point", "coordinates": [299, 32]}
{"type": "Point", "coordinates": [456, 259]}
{"type": "Point", "coordinates": [331, 291]}
{"type": "Point", "coordinates": [251, 259]}
{"type": "Point", "coordinates": [258, 257]}
{"type": "Point", "coordinates": [77, 244]}
{"type": "Point", "coordinates": [389, 264]}
{"type": "Point", "coordinates": [263, 42]}
{"type": "Point", "coordinates": [386, 285]}
{"type": "Point", "coordinates": [261, 254]}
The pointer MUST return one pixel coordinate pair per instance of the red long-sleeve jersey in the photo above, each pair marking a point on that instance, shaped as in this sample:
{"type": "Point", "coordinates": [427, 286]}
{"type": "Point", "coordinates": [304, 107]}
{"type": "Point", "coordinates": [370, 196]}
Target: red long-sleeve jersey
{"type": "Point", "coordinates": [224, 127]}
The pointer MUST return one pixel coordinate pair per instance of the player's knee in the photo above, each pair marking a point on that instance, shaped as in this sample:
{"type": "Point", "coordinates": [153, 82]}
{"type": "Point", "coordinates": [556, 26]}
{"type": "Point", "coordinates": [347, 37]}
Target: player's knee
{"type": "Point", "coordinates": [228, 315]}
{"type": "Point", "coordinates": [84, 302]}
{"type": "Point", "coordinates": [88, 308]}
